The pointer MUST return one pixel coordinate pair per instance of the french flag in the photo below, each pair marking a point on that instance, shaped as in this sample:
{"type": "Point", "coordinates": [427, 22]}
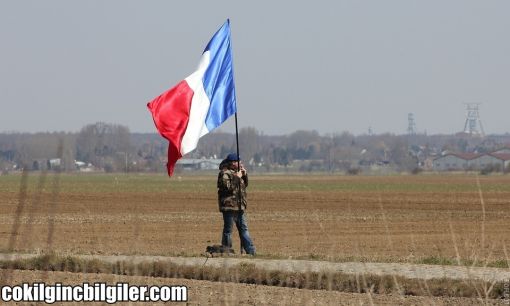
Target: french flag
{"type": "Point", "coordinates": [201, 102]}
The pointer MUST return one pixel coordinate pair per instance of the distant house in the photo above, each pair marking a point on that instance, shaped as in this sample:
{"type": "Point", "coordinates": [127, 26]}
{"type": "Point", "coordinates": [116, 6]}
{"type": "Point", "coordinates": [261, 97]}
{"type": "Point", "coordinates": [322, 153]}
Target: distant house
{"type": "Point", "coordinates": [454, 161]}
{"type": "Point", "coordinates": [198, 164]}
{"type": "Point", "coordinates": [210, 164]}
{"type": "Point", "coordinates": [465, 161]}
{"type": "Point", "coordinates": [501, 160]}
{"type": "Point", "coordinates": [504, 150]}
{"type": "Point", "coordinates": [55, 162]}
{"type": "Point", "coordinates": [46, 164]}
{"type": "Point", "coordinates": [503, 157]}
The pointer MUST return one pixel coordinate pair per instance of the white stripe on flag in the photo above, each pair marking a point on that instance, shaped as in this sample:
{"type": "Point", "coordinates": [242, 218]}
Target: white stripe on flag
{"type": "Point", "coordinates": [199, 107]}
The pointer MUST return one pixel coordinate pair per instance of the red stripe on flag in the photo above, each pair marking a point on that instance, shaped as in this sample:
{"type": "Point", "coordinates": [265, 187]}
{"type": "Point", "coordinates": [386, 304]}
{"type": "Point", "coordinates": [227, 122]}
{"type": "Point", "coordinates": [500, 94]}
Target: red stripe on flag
{"type": "Point", "coordinates": [170, 112]}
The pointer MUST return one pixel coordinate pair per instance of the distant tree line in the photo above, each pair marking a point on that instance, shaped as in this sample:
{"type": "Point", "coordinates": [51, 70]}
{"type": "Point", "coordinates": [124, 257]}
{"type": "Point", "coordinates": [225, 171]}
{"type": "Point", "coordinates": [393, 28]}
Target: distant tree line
{"type": "Point", "coordinates": [112, 147]}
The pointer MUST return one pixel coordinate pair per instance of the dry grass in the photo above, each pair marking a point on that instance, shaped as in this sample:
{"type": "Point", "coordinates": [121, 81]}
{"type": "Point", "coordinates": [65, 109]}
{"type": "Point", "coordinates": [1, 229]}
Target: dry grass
{"type": "Point", "coordinates": [249, 274]}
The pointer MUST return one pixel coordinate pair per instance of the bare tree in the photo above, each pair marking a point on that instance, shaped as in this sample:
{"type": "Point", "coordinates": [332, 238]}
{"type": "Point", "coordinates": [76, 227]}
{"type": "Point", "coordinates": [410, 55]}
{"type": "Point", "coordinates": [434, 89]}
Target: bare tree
{"type": "Point", "coordinates": [101, 143]}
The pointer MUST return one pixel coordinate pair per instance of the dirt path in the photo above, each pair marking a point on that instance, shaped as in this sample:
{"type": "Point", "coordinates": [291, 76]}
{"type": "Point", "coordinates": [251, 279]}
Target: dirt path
{"type": "Point", "coordinates": [413, 271]}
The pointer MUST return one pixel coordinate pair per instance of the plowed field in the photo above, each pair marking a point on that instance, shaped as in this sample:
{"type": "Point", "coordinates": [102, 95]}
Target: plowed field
{"type": "Point", "coordinates": [390, 219]}
{"type": "Point", "coordinates": [447, 219]}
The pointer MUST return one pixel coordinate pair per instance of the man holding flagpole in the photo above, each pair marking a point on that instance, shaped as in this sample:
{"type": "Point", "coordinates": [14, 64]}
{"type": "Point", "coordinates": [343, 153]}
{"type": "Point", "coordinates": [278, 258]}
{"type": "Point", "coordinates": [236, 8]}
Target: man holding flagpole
{"type": "Point", "coordinates": [196, 106]}
{"type": "Point", "coordinates": [232, 183]}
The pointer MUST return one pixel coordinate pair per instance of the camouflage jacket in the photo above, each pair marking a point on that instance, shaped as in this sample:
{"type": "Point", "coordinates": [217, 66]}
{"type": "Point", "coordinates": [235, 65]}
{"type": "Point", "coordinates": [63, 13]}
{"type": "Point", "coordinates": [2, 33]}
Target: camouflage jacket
{"type": "Point", "coordinates": [228, 190]}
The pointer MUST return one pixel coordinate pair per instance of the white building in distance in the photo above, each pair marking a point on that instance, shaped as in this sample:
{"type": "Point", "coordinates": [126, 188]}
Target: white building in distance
{"type": "Point", "coordinates": [500, 159]}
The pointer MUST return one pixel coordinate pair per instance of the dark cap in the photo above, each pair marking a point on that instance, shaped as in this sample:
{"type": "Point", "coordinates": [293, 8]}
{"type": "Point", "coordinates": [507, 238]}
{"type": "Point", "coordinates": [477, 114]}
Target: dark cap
{"type": "Point", "coordinates": [233, 157]}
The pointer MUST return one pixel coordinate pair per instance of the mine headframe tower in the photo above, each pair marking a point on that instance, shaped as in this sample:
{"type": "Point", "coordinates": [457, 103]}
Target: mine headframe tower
{"type": "Point", "coordinates": [473, 124]}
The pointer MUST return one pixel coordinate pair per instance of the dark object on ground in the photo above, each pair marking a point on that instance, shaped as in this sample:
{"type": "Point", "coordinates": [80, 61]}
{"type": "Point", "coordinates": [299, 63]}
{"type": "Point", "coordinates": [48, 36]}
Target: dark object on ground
{"type": "Point", "coordinates": [219, 250]}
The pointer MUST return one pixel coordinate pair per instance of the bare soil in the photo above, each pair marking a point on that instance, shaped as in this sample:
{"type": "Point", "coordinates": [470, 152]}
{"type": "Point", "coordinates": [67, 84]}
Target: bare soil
{"type": "Point", "coordinates": [378, 219]}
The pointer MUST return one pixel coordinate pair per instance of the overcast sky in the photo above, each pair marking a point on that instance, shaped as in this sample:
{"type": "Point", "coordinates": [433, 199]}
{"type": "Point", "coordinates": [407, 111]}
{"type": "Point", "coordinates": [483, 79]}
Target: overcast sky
{"type": "Point", "coordinates": [329, 66]}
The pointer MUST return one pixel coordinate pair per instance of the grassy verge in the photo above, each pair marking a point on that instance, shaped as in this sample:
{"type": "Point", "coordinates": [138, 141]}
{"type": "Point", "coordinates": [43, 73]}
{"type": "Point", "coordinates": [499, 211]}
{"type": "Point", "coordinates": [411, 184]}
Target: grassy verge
{"type": "Point", "coordinates": [444, 261]}
{"type": "Point", "coordinates": [430, 260]}
{"type": "Point", "coordinates": [249, 274]}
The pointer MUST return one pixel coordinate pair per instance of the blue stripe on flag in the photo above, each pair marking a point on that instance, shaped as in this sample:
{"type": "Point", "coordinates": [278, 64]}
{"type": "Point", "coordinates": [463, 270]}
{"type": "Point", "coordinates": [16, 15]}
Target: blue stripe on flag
{"type": "Point", "coordinates": [219, 79]}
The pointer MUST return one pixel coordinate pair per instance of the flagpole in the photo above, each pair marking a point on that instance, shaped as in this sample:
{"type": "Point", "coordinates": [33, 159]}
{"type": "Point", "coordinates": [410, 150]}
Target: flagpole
{"type": "Point", "coordinates": [237, 144]}
{"type": "Point", "coordinates": [239, 199]}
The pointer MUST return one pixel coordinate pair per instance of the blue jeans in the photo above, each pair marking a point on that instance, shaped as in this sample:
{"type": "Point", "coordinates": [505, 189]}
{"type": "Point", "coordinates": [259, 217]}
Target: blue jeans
{"type": "Point", "coordinates": [229, 217]}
